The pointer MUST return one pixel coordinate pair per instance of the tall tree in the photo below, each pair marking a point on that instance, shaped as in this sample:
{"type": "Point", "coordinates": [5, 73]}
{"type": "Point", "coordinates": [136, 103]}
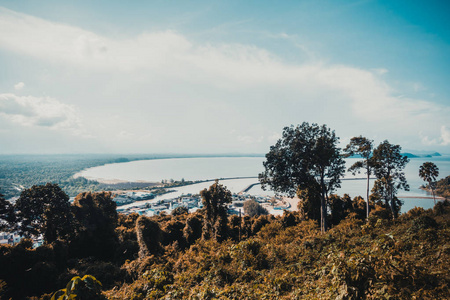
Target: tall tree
{"type": "Point", "coordinates": [305, 156]}
{"type": "Point", "coordinates": [215, 201]}
{"type": "Point", "coordinates": [428, 171]}
{"type": "Point", "coordinates": [309, 207]}
{"type": "Point", "coordinates": [361, 146]}
{"type": "Point", "coordinates": [96, 221]}
{"type": "Point", "coordinates": [44, 209]}
{"type": "Point", "coordinates": [253, 208]}
{"type": "Point", "coordinates": [388, 164]}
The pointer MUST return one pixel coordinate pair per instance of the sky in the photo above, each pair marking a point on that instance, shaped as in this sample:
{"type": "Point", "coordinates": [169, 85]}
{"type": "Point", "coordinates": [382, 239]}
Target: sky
{"type": "Point", "coordinates": [220, 76]}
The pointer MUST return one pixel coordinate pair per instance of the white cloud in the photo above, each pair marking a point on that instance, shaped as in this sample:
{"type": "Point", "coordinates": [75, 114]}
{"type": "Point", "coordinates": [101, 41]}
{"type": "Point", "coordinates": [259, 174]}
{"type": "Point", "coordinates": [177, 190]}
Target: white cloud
{"type": "Point", "coordinates": [426, 140]}
{"type": "Point", "coordinates": [39, 111]}
{"type": "Point", "coordinates": [445, 136]}
{"type": "Point", "coordinates": [156, 77]}
{"type": "Point", "coordinates": [440, 139]}
{"type": "Point", "coordinates": [68, 44]}
{"type": "Point", "coordinates": [381, 71]}
{"type": "Point", "coordinates": [19, 86]}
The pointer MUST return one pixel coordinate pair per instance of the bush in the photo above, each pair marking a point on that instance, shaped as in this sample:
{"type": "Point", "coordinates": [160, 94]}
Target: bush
{"type": "Point", "coordinates": [422, 222]}
{"type": "Point", "coordinates": [253, 208]}
{"type": "Point", "coordinates": [180, 210]}
{"type": "Point", "coordinates": [379, 213]}
{"type": "Point", "coordinates": [86, 288]}
{"type": "Point", "coordinates": [148, 236]}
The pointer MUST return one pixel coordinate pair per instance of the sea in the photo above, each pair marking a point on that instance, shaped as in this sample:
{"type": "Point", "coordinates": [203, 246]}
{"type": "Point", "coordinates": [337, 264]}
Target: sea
{"type": "Point", "coordinates": [239, 173]}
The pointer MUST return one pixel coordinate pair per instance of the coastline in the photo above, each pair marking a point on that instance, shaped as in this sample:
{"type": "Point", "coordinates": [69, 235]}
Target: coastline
{"type": "Point", "coordinates": [438, 197]}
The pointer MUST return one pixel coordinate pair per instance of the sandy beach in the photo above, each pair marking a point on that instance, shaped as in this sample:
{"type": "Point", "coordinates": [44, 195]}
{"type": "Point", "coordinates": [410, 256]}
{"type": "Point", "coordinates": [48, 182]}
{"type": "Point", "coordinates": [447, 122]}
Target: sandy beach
{"type": "Point", "coordinates": [293, 202]}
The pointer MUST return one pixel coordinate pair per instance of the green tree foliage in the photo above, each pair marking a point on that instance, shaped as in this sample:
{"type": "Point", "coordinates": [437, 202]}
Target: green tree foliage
{"type": "Point", "coordinates": [180, 210]}
{"type": "Point", "coordinates": [388, 163]}
{"type": "Point", "coordinates": [305, 154]}
{"type": "Point", "coordinates": [28, 271]}
{"type": "Point", "coordinates": [7, 214]}
{"type": "Point", "coordinates": [148, 235]}
{"type": "Point", "coordinates": [340, 207]}
{"type": "Point", "coordinates": [126, 233]}
{"type": "Point", "coordinates": [215, 200]}
{"type": "Point", "coordinates": [343, 207]}
{"type": "Point", "coordinates": [428, 171]}
{"type": "Point", "coordinates": [96, 220]}
{"type": "Point", "coordinates": [253, 208]}
{"type": "Point", "coordinates": [44, 209]}
{"type": "Point", "coordinates": [86, 288]}
{"type": "Point", "coordinates": [443, 187]}
{"type": "Point", "coordinates": [192, 231]}
{"type": "Point", "coordinates": [2, 288]}
{"type": "Point", "coordinates": [279, 257]}
{"type": "Point", "coordinates": [24, 171]}
{"type": "Point", "coordinates": [309, 206]}
{"type": "Point", "coordinates": [173, 233]}
{"type": "Point", "coordinates": [361, 146]}
{"type": "Point", "coordinates": [288, 259]}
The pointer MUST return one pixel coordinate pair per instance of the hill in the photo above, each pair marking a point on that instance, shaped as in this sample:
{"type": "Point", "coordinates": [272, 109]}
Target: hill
{"type": "Point", "coordinates": [265, 257]}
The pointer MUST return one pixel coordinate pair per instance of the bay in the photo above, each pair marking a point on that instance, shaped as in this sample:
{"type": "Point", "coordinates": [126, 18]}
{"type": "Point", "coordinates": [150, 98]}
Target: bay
{"type": "Point", "coordinates": [235, 168]}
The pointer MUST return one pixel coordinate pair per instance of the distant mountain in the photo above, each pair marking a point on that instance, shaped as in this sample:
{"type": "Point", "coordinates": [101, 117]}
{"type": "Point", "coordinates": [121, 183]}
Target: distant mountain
{"type": "Point", "coordinates": [421, 153]}
{"type": "Point", "coordinates": [410, 155]}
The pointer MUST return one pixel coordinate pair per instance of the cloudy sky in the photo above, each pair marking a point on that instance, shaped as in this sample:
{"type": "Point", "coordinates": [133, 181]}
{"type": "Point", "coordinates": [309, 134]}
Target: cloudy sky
{"type": "Point", "coordinates": [220, 76]}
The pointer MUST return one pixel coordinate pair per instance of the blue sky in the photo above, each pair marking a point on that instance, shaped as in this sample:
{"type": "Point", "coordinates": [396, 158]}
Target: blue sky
{"type": "Point", "coordinates": [220, 76]}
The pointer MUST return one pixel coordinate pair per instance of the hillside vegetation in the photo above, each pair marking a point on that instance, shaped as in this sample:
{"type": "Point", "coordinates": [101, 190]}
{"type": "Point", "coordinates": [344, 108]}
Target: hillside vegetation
{"type": "Point", "coordinates": [19, 172]}
{"type": "Point", "coordinates": [443, 187]}
{"type": "Point", "coordinates": [264, 257]}
{"type": "Point", "coordinates": [288, 259]}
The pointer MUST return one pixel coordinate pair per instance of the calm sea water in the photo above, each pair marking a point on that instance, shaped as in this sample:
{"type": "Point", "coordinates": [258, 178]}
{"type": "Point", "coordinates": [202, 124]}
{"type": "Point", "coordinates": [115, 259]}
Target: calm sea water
{"type": "Point", "coordinates": [177, 169]}
{"type": "Point", "coordinates": [231, 167]}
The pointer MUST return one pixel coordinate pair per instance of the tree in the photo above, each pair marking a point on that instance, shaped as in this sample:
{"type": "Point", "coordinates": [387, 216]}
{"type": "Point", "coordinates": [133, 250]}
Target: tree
{"type": "Point", "coordinates": [388, 164]}
{"type": "Point", "coordinates": [96, 218]}
{"type": "Point", "coordinates": [309, 207]}
{"type": "Point", "coordinates": [7, 214]}
{"type": "Point", "coordinates": [443, 187]}
{"type": "Point", "coordinates": [87, 287]}
{"type": "Point", "coordinates": [340, 207]}
{"type": "Point", "coordinates": [362, 146]}
{"type": "Point", "coordinates": [180, 210]}
{"type": "Point", "coordinates": [148, 234]}
{"type": "Point", "coordinates": [215, 201]}
{"type": "Point", "coordinates": [428, 171]}
{"type": "Point", "coordinates": [44, 209]}
{"type": "Point", "coordinates": [253, 208]}
{"type": "Point", "coordinates": [304, 156]}
{"type": "Point", "coordinates": [193, 228]}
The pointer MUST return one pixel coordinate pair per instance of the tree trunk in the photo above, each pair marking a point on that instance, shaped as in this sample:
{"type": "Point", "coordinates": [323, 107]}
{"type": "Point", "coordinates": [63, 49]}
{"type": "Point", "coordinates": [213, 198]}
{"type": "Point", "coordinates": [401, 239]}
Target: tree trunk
{"type": "Point", "coordinates": [323, 208]}
{"type": "Point", "coordinates": [432, 192]}
{"type": "Point", "coordinates": [391, 195]}
{"type": "Point", "coordinates": [367, 199]}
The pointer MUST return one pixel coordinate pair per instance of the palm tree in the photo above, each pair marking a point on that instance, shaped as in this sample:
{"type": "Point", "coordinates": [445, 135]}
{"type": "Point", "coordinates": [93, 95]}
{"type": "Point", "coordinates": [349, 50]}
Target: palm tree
{"type": "Point", "coordinates": [429, 172]}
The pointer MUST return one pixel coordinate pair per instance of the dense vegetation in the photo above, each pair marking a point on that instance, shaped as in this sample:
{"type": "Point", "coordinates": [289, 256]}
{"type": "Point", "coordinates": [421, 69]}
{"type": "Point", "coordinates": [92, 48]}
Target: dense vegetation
{"type": "Point", "coordinates": [208, 255]}
{"type": "Point", "coordinates": [331, 248]}
{"type": "Point", "coordinates": [443, 187]}
{"type": "Point", "coordinates": [253, 208]}
{"type": "Point", "coordinates": [19, 172]}
{"type": "Point", "coordinates": [307, 162]}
